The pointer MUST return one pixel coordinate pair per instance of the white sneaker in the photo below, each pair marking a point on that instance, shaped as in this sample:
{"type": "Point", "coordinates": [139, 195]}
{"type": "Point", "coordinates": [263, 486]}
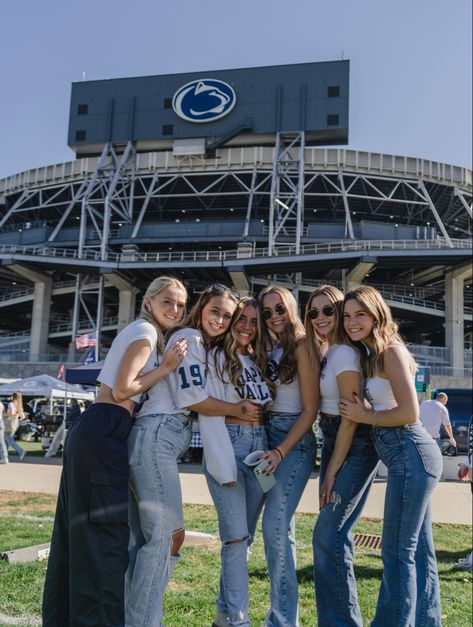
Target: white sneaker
{"type": "Point", "coordinates": [221, 619]}
{"type": "Point", "coordinates": [465, 564]}
{"type": "Point", "coordinates": [4, 461]}
{"type": "Point", "coordinates": [22, 455]}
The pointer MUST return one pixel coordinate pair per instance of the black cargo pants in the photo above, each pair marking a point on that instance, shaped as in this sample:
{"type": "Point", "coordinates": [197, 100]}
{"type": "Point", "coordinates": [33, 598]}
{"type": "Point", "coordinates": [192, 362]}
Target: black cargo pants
{"type": "Point", "coordinates": [89, 548]}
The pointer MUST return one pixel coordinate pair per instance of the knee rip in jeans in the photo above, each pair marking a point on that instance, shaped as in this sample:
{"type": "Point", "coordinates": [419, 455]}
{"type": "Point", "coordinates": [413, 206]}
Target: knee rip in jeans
{"type": "Point", "coordinates": [178, 536]}
{"type": "Point", "coordinates": [239, 541]}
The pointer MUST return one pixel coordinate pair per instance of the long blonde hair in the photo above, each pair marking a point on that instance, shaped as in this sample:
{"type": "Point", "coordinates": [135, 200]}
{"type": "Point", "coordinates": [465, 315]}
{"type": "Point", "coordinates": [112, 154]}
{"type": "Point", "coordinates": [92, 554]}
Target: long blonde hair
{"type": "Point", "coordinates": [155, 287]}
{"type": "Point", "coordinates": [17, 399]}
{"type": "Point", "coordinates": [288, 340]}
{"type": "Point", "coordinates": [232, 366]}
{"type": "Point", "coordinates": [385, 331]}
{"type": "Point", "coordinates": [314, 341]}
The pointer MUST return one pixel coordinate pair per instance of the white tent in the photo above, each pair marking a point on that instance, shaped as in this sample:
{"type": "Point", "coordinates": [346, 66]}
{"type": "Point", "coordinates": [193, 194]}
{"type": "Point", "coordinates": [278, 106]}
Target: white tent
{"type": "Point", "coordinates": [45, 386]}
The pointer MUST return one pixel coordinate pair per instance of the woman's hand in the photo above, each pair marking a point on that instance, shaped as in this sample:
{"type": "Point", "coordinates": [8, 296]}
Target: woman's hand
{"type": "Point", "coordinates": [246, 410]}
{"type": "Point", "coordinates": [174, 355]}
{"type": "Point", "coordinates": [274, 459]}
{"type": "Point", "coordinates": [354, 410]}
{"type": "Point", "coordinates": [325, 490]}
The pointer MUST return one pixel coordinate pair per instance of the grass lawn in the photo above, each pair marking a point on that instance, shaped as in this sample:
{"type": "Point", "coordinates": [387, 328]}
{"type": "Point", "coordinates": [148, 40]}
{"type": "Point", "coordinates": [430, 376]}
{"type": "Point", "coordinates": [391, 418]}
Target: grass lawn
{"type": "Point", "coordinates": [26, 519]}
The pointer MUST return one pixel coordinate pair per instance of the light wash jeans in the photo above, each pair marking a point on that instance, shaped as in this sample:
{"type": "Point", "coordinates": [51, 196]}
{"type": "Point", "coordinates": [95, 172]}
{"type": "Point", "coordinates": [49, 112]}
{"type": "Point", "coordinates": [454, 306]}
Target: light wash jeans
{"type": "Point", "coordinates": [3, 447]}
{"type": "Point", "coordinates": [155, 512]}
{"type": "Point", "coordinates": [291, 475]}
{"type": "Point", "coordinates": [410, 592]}
{"type": "Point", "coordinates": [10, 441]}
{"type": "Point", "coordinates": [238, 510]}
{"type": "Point", "coordinates": [335, 585]}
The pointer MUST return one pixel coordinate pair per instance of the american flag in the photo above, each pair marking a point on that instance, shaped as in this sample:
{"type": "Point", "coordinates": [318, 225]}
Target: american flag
{"type": "Point", "coordinates": [87, 340]}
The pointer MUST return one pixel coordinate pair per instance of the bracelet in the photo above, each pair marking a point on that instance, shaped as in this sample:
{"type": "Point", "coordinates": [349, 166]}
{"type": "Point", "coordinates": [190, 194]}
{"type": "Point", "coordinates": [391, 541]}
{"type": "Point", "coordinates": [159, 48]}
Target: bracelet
{"type": "Point", "coordinates": [374, 419]}
{"type": "Point", "coordinates": [280, 454]}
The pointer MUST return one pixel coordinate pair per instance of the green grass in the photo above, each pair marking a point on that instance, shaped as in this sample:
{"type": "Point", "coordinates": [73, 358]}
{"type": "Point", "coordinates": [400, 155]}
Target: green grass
{"type": "Point", "coordinates": [191, 593]}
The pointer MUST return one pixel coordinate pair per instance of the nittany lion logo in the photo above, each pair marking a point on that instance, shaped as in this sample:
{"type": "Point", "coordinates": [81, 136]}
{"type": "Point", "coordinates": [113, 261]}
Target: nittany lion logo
{"type": "Point", "coordinates": [204, 100]}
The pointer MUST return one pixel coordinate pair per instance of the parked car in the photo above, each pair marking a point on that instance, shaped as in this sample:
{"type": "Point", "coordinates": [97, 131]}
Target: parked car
{"type": "Point", "coordinates": [459, 407]}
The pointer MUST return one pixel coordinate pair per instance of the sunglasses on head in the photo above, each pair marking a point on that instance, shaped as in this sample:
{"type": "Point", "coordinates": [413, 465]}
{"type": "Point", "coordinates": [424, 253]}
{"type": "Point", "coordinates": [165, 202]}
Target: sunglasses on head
{"type": "Point", "coordinates": [267, 313]}
{"type": "Point", "coordinates": [219, 288]}
{"type": "Point", "coordinates": [328, 311]}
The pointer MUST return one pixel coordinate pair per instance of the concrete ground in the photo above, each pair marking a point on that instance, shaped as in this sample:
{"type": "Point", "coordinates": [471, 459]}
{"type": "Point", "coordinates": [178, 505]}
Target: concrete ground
{"type": "Point", "coordinates": [451, 501]}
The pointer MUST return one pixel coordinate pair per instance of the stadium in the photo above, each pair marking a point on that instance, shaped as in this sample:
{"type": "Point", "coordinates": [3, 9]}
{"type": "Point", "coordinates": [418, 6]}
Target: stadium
{"type": "Point", "coordinates": [238, 176]}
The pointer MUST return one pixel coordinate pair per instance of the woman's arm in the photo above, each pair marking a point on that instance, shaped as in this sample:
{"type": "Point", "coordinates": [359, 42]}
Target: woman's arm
{"type": "Point", "coordinates": [397, 368]}
{"type": "Point", "coordinates": [128, 382]}
{"type": "Point", "coordinates": [348, 384]}
{"type": "Point", "coordinates": [245, 410]}
{"type": "Point", "coordinates": [308, 374]}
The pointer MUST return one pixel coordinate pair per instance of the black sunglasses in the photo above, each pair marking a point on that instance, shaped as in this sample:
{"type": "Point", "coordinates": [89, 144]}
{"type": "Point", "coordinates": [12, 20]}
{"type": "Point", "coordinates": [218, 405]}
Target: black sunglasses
{"type": "Point", "coordinates": [328, 311]}
{"type": "Point", "coordinates": [219, 288]}
{"type": "Point", "coordinates": [267, 313]}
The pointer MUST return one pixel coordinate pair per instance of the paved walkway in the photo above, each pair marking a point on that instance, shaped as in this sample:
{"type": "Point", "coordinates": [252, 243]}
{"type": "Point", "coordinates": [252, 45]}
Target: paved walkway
{"type": "Point", "coordinates": [451, 501]}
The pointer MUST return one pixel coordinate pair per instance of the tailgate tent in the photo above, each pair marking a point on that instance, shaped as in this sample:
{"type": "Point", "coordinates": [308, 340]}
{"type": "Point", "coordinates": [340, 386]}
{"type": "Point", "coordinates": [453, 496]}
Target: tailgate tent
{"type": "Point", "coordinates": [46, 386]}
{"type": "Point", "coordinates": [85, 375]}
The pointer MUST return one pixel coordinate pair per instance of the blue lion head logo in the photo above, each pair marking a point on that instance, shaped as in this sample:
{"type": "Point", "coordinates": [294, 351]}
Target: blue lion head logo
{"type": "Point", "coordinates": [204, 100]}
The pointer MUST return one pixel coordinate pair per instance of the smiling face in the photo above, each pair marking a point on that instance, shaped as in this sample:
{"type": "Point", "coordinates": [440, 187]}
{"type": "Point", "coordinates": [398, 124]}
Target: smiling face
{"type": "Point", "coordinates": [245, 328]}
{"type": "Point", "coordinates": [167, 307]}
{"type": "Point", "coordinates": [357, 322]}
{"type": "Point", "coordinates": [279, 316]}
{"type": "Point", "coordinates": [324, 324]}
{"type": "Point", "coordinates": [217, 315]}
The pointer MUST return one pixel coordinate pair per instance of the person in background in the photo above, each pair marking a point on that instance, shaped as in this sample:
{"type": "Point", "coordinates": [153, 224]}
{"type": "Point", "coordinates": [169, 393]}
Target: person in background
{"type": "Point", "coordinates": [434, 414]}
{"type": "Point", "coordinates": [3, 448]}
{"type": "Point", "coordinates": [292, 445]}
{"type": "Point", "coordinates": [465, 473]}
{"type": "Point", "coordinates": [410, 588]}
{"type": "Point", "coordinates": [12, 419]}
{"type": "Point", "coordinates": [85, 576]}
{"type": "Point", "coordinates": [348, 464]}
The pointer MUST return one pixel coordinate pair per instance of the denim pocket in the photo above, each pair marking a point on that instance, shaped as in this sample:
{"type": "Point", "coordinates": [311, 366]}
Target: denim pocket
{"type": "Point", "coordinates": [108, 502]}
{"type": "Point", "coordinates": [233, 433]}
{"type": "Point", "coordinates": [176, 423]}
{"type": "Point", "coordinates": [387, 437]}
{"type": "Point", "coordinates": [431, 458]}
{"type": "Point", "coordinates": [135, 446]}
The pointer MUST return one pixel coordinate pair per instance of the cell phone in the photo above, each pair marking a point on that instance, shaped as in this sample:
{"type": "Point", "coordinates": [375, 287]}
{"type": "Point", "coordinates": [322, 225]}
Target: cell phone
{"type": "Point", "coordinates": [266, 481]}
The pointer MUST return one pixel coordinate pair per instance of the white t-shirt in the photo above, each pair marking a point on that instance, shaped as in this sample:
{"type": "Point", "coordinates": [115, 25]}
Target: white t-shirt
{"type": "Point", "coordinates": [137, 330]}
{"type": "Point", "coordinates": [338, 358]}
{"type": "Point", "coordinates": [432, 415]}
{"type": "Point", "coordinates": [288, 395]}
{"type": "Point", "coordinates": [379, 393]}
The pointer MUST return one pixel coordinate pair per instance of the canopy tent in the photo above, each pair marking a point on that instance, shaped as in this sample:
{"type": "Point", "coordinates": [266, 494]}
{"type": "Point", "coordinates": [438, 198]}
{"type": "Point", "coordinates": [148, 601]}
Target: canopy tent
{"type": "Point", "coordinates": [85, 375]}
{"type": "Point", "coordinates": [45, 386]}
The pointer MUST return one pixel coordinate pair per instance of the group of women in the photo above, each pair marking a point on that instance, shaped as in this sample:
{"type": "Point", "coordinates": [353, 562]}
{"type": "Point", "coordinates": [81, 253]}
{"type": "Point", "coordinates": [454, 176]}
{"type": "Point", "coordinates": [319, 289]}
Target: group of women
{"type": "Point", "coordinates": [255, 376]}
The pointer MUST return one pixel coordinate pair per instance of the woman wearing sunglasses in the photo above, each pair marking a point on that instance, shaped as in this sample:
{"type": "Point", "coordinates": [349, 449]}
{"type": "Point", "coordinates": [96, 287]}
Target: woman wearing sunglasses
{"type": "Point", "coordinates": [410, 592]}
{"type": "Point", "coordinates": [292, 446]}
{"type": "Point", "coordinates": [348, 465]}
{"type": "Point", "coordinates": [160, 435]}
{"type": "Point", "coordinates": [235, 372]}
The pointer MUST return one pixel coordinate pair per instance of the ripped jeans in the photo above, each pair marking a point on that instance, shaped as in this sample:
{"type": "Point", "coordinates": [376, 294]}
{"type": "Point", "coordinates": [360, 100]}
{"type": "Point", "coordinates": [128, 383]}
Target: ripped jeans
{"type": "Point", "coordinates": [238, 509]}
{"type": "Point", "coordinates": [155, 512]}
{"type": "Point", "coordinates": [334, 577]}
{"type": "Point", "coordinates": [410, 590]}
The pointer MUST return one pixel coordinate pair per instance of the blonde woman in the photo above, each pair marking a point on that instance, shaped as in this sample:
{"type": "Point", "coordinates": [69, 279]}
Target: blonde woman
{"type": "Point", "coordinates": [410, 592]}
{"type": "Point", "coordinates": [89, 548]}
{"type": "Point", "coordinates": [348, 464]}
{"type": "Point", "coordinates": [14, 414]}
{"type": "Point", "coordinates": [292, 446]}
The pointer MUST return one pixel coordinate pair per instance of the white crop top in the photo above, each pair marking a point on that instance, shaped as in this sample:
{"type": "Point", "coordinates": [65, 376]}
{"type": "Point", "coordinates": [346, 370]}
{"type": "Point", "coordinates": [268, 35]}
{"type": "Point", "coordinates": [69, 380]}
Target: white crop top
{"type": "Point", "coordinates": [288, 395]}
{"type": "Point", "coordinates": [137, 330]}
{"type": "Point", "coordinates": [379, 393]}
{"type": "Point", "coordinates": [338, 358]}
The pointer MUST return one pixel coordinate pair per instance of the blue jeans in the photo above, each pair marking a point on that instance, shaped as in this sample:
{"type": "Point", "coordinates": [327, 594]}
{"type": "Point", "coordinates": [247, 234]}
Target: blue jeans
{"type": "Point", "coordinates": [155, 512]}
{"type": "Point", "coordinates": [10, 441]}
{"type": "Point", "coordinates": [291, 476]}
{"type": "Point", "coordinates": [238, 510]}
{"type": "Point", "coordinates": [335, 585]}
{"type": "Point", "coordinates": [3, 447]}
{"type": "Point", "coordinates": [410, 593]}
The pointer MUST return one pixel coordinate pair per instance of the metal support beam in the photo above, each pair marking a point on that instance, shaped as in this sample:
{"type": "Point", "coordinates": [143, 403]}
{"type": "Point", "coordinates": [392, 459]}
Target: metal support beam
{"type": "Point", "coordinates": [436, 213]}
{"type": "Point", "coordinates": [356, 275]}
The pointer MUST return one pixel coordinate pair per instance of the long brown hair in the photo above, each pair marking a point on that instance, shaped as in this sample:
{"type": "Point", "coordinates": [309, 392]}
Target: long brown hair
{"type": "Point", "coordinates": [288, 340]}
{"type": "Point", "coordinates": [155, 287]}
{"type": "Point", "coordinates": [232, 366]}
{"type": "Point", "coordinates": [314, 341]}
{"type": "Point", "coordinates": [385, 331]}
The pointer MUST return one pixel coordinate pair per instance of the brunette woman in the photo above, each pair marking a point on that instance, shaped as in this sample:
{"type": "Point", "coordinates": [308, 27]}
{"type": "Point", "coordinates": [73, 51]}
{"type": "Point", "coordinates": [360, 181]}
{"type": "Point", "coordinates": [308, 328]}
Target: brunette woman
{"type": "Point", "coordinates": [348, 464]}
{"type": "Point", "coordinates": [15, 413]}
{"type": "Point", "coordinates": [292, 446]}
{"type": "Point", "coordinates": [409, 592]}
{"type": "Point", "coordinates": [159, 436]}
{"type": "Point", "coordinates": [89, 548]}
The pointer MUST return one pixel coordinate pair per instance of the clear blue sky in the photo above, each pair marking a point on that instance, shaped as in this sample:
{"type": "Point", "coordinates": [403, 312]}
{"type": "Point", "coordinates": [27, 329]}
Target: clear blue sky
{"type": "Point", "coordinates": [410, 62]}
